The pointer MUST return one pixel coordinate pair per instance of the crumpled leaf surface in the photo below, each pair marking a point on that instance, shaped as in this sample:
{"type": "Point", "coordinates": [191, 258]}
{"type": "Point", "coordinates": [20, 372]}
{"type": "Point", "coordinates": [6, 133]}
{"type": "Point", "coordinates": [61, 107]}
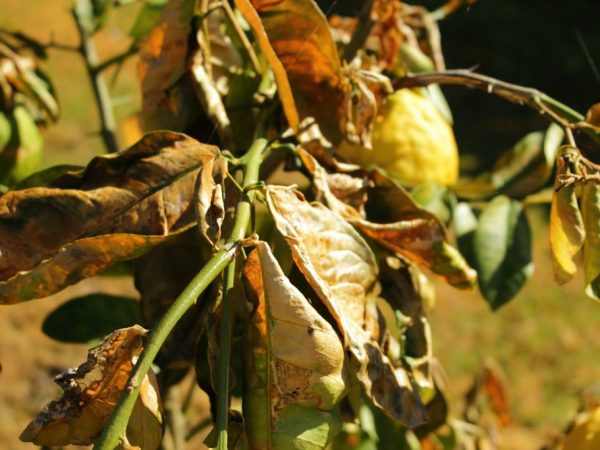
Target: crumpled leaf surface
{"type": "Point", "coordinates": [295, 38]}
{"type": "Point", "coordinates": [590, 210]}
{"type": "Point", "coordinates": [294, 363]}
{"type": "Point", "coordinates": [567, 232]}
{"type": "Point", "coordinates": [341, 268]}
{"type": "Point", "coordinates": [502, 250]}
{"type": "Point", "coordinates": [91, 392]}
{"type": "Point", "coordinates": [210, 205]}
{"type": "Point", "coordinates": [163, 62]}
{"type": "Point", "coordinates": [407, 229]}
{"type": "Point", "coordinates": [117, 208]}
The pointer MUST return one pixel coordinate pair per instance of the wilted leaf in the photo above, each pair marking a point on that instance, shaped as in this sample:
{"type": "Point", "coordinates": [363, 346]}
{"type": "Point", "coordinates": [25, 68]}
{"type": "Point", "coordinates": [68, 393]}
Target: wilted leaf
{"type": "Point", "coordinates": [210, 206]}
{"type": "Point", "coordinates": [590, 210]}
{"type": "Point", "coordinates": [163, 62]}
{"type": "Point", "coordinates": [91, 392]}
{"type": "Point", "coordinates": [44, 177]}
{"type": "Point", "coordinates": [295, 38]}
{"type": "Point", "coordinates": [567, 232]}
{"type": "Point", "coordinates": [585, 433]}
{"type": "Point", "coordinates": [294, 362]}
{"type": "Point", "coordinates": [147, 18]}
{"type": "Point", "coordinates": [406, 229]}
{"type": "Point", "coordinates": [502, 250]}
{"type": "Point", "coordinates": [89, 318]}
{"type": "Point", "coordinates": [495, 389]}
{"type": "Point", "coordinates": [341, 268]}
{"type": "Point", "coordinates": [117, 208]}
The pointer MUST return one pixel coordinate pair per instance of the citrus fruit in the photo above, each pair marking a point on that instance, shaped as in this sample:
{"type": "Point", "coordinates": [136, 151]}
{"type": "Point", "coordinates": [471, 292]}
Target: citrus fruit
{"type": "Point", "coordinates": [411, 141]}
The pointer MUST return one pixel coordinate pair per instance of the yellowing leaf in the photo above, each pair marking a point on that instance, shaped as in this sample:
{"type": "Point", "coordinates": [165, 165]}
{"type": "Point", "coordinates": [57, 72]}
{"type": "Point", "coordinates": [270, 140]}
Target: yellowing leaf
{"type": "Point", "coordinates": [117, 208]}
{"type": "Point", "coordinates": [407, 229]}
{"type": "Point", "coordinates": [210, 207]}
{"type": "Point", "coordinates": [341, 268]}
{"type": "Point", "coordinates": [585, 434]}
{"type": "Point", "coordinates": [590, 209]}
{"type": "Point", "coordinates": [294, 362]}
{"type": "Point", "coordinates": [91, 392]}
{"type": "Point", "coordinates": [295, 38]}
{"type": "Point", "coordinates": [567, 232]}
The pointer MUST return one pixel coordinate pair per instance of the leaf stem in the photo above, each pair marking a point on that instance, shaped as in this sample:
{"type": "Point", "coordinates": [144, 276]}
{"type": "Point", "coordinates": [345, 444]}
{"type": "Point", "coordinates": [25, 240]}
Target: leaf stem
{"type": "Point", "coordinates": [224, 357]}
{"type": "Point", "coordinates": [116, 426]}
{"type": "Point", "coordinates": [101, 93]}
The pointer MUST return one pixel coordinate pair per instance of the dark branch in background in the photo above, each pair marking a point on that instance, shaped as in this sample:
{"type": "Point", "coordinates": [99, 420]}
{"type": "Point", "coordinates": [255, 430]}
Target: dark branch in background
{"type": "Point", "coordinates": [117, 59]}
{"type": "Point", "coordinates": [534, 99]}
{"type": "Point", "coordinates": [361, 33]}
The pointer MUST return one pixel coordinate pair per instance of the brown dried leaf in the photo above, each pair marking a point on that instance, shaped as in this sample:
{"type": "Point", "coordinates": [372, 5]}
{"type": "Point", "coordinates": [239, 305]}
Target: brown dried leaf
{"type": "Point", "coordinates": [117, 208]}
{"type": "Point", "coordinates": [341, 268]}
{"type": "Point", "coordinates": [409, 230]}
{"type": "Point", "coordinates": [295, 38]}
{"type": "Point", "coordinates": [163, 62]}
{"type": "Point", "coordinates": [210, 206]}
{"type": "Point", "coordinates": [294, 363]}
{"type": "Point", "coordinates": [91, 392]}
{"type": "Point", "coordinates": [494, 385]}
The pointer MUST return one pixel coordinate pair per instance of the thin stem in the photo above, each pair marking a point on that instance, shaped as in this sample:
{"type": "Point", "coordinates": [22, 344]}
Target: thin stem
{"type": "Point", "coordinates": [101, 93]}
{"type": "Point", "coordinates": [117, 423]}
{"type": "Point", "coordinates": [361, 33]}
{"type": "Point", "coordinates": [242, 37]}
{"type": "Point", "coordinates": [224, 358]}
{"type": "Point", "coordinates": [117, 59]}
{"type": "Point", "coordinates": [545, 105]}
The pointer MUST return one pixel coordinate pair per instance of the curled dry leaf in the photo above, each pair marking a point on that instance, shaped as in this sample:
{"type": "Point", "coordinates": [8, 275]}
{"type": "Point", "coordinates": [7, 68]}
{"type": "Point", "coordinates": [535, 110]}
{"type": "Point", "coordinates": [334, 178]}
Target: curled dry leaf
{"type": "Point", "coordinates": [295, 38]}
{"type": "Point", "coordinates": [590, 210]}
{"type": "Point", "coordinates": [210, 206]}
{"type": "Point", "coordinates": [117, 208]}
{"type": "Point", "coordinates": [409, 230]}
{"type": "Point", "coordinates": [341, 268]}
{"type": "Point", "coordinates": [567, 232]}
{"type": "Point", "coordinates": [91, 392]}
{"type": "Point", "coordinates": [293, 364]}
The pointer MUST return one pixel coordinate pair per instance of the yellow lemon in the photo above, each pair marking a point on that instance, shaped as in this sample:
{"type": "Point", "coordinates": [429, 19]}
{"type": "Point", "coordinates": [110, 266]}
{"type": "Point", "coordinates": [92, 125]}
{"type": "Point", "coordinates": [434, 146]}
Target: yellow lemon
{"type": "Point", "coordinates": [411, 141]}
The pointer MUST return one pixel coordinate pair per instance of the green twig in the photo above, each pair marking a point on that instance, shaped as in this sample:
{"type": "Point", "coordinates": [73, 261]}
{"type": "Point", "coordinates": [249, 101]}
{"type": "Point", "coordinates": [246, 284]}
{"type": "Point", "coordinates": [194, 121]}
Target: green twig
{"type": "Point", "coordinates": [224, 357]}
{"type": "Point", "coordinates": [117, 424]}
{"type": "Point", "coordinates": [90, 55]}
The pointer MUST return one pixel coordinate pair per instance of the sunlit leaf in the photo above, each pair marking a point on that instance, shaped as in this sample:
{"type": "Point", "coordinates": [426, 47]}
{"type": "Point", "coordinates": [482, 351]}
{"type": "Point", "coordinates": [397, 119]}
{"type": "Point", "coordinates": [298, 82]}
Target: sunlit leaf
{"type": "Point", "coordinates": [163, 62]}
{"type": "Point", "coordinates": [91, 392]}
{"type": "Point", "coordinates": [294, 361]}
{"type": "Point", "coordinates": [117, 208]}
{"type": "Point", "coordinates": [590, 210]}
{"type": "Point", "coordinates": [398, 224]}
{"type": "Point", "coordinates": [90, 318]}
{"type": "Point", "coordinates": [585, 433]}
{"type": "Point", "coordinates": [210, 206]}
{"type": "Point", "coordinates": [341, 268]}
{"type": "Point", "coordinates": [295, 38]}
{"type": "Point", "coordinates": [567, 232]}
{"type": "Point", "coordinates": [502, 250]}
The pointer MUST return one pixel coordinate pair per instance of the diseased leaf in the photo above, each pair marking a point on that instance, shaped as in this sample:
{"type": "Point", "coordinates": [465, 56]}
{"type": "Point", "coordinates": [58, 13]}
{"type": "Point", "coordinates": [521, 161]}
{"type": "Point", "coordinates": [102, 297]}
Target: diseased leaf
{"type": "Point", "coordinates": [89, 318]}
{"type": "Point", "coordinates": [147, 18]}
{"type": "Point", "coordinates": [296, 40]}
{"type": "Point", "coordinates": [567, 232]}
{"type": "Point", "coordinates": [163, 62]}
{"type": "Point", "coordinates": [210, 206]}
{"type": "Point", "coordinates": [502, 250]}
{"type": "Point", "coordinates": [44, 177]}
{"type": "Point", "coordinates": [406, 229]}
{"type": "Point", "coordinates": [91, 392]}
{"type": "Point", "coordinates": [590, 210]}
{"type": "Point", "coordinates": [294, 362]}
{"type": "Point", "coordinates": [117, 208]}
{"type": "Point", "coordinates": [341, 268]}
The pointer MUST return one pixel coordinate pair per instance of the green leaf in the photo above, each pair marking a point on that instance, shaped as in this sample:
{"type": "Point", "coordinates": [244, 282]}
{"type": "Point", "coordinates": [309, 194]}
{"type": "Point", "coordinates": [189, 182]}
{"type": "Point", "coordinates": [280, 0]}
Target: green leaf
{"type": "Point", "coordinates": [90, 318]}
{"type": "Point", "coordinates": [436, 199]}
{"type": "Point", "coordinates": [294, 362]}
{"type": "Point", "coordinates": [502, 250]}
{"type": "Point", "coordinates": [590, 210]}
